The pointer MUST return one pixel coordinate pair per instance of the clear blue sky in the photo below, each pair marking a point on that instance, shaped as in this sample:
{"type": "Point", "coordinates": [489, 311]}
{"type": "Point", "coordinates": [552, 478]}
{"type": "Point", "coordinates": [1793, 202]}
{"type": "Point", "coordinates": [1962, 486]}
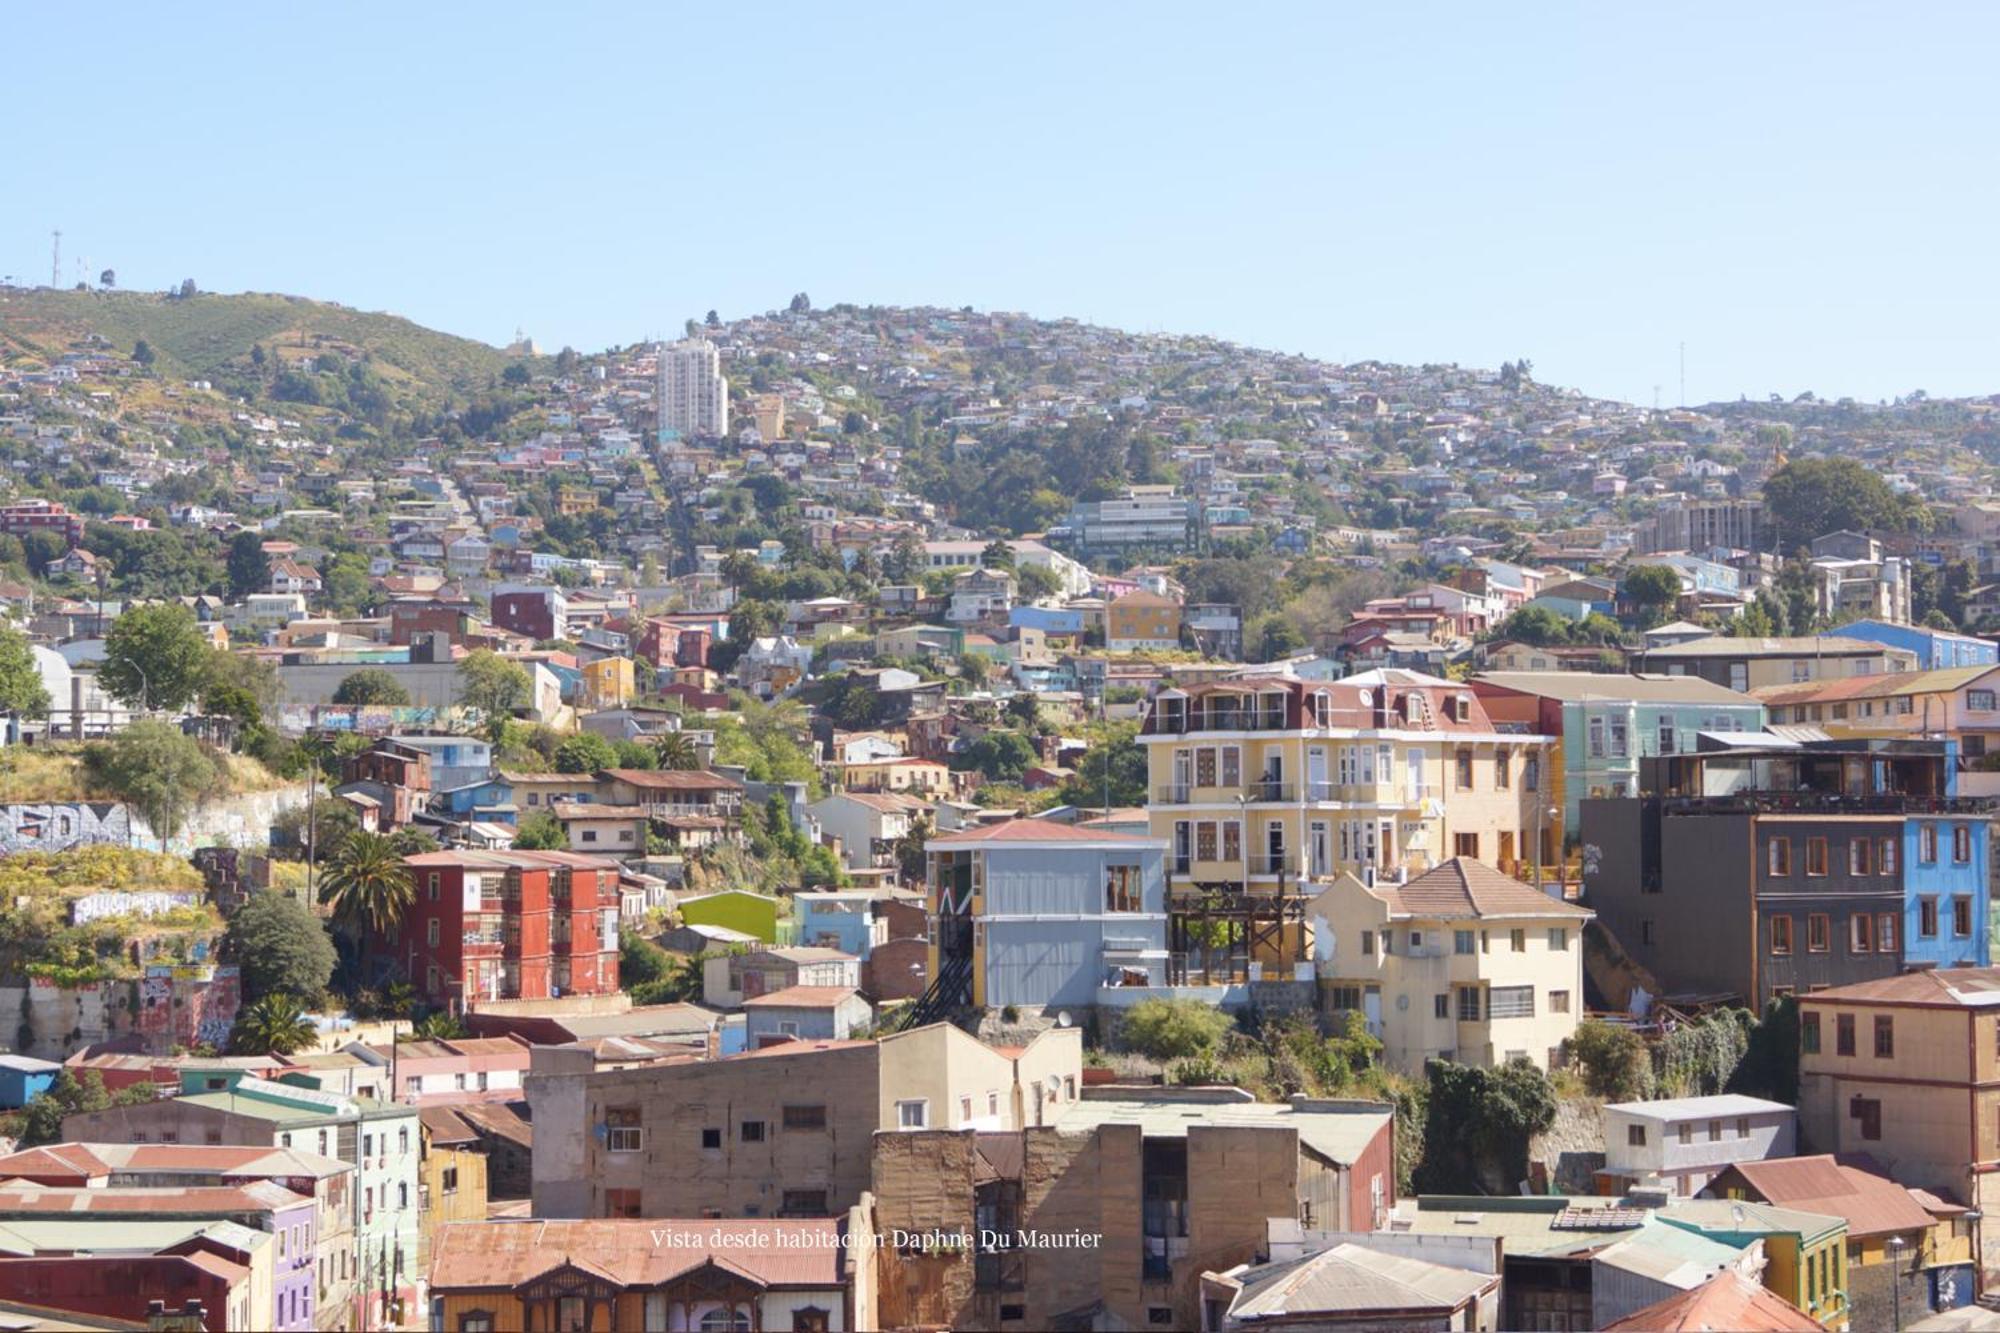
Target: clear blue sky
{"type": "Point", "coordinates": [1804, 193]}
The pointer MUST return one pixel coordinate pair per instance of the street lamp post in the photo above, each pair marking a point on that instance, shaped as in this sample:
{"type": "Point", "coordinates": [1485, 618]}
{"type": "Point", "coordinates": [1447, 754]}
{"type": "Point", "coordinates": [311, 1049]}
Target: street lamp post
{"type": "Point", "coordinates": [1896, 1279]}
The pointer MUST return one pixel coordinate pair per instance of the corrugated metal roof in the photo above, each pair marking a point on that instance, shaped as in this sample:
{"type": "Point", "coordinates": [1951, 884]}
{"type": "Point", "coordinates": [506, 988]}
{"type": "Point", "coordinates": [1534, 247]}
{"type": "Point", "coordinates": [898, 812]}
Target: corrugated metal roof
{"type": "Point", "coordinates": [1351, 1279]}
{"type": "Point", "coordinates": [1973, 987]}
{"type": "Point", "coordinates": [1872, 1205]}
{"type": "Point", "coordinates": [1698, 1108]}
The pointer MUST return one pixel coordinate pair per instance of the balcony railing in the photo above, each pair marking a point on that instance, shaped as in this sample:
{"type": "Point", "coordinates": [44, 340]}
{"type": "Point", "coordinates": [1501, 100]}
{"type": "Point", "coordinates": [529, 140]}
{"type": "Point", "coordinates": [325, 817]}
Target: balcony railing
{"type": "Point", "coordinates": [1222, 720]}
{"type": "Point", "coordinates": [1829, 803]}
{"type": "Point", "coordinates": [1283, 863]}
{"type": "Point", "coordinates": [1182, 793]}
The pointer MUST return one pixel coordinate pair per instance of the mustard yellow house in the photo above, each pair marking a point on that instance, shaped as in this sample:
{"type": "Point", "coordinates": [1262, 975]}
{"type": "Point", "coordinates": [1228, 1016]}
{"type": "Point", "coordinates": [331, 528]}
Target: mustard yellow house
{"type": "Point", "coordinates": [607, 683]}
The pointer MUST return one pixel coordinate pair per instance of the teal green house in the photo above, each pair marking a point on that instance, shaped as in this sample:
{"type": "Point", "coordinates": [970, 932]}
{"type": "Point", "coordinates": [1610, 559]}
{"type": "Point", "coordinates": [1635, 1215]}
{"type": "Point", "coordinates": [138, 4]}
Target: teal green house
{"type": "Point", "coordinates": [1606, 723]}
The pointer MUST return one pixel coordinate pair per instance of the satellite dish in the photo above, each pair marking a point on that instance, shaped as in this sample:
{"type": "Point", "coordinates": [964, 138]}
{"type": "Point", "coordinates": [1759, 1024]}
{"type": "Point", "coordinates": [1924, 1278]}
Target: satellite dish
{"type": "Point", "coordinates": [1063, 1019]}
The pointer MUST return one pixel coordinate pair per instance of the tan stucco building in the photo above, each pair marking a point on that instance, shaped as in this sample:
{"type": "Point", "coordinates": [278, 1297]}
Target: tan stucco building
{"type": "Point", "coordinates": [1462, 963]}
{"type": "Point", "coordinates": [1907, 1070]}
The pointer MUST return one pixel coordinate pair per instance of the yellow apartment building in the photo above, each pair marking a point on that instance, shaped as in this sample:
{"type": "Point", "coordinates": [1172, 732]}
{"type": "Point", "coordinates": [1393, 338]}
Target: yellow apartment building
{"type": "Point", "coordinates": [1268, 788]}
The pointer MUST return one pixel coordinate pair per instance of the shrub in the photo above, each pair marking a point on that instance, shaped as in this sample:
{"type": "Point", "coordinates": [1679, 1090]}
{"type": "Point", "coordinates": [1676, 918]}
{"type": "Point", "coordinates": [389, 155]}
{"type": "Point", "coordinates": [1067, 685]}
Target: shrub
{"type": "Point", "coordinates": [1174, 1029]}
{"type": "Point", "coordinates": [1611, 1060]}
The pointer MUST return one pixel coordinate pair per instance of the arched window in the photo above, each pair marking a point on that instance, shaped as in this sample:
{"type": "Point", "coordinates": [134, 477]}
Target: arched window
{"type": "Point", "coordinates": [722, 1319]}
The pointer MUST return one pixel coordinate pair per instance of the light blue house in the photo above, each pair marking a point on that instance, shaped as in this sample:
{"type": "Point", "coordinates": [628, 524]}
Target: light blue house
{"type": "Point", "coordinates": [1048, 619]}
{"type": "Point", "coordinates": [1935, 648]}
{"type": "Point", "coordinates": [1946, 899]}
{"type": "Point", "coordinates": [1034, 913]}
{"type": "Point", "coordinates": [455, 760]}
{"type": "Point", "coordinates": [1578, 599]}
{"type": "Point", "coordinates": [23, 1078]}
{"type": "Point", "coordinates": [846, 920]}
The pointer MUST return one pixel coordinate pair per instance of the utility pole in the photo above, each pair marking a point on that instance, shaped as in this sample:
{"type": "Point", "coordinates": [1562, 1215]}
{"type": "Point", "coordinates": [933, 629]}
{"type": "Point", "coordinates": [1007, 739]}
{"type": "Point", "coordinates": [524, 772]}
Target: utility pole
{"type": "Point", "coordinates": [1684, 373]}
{"type": "Point", "coordinates": [55, 260]}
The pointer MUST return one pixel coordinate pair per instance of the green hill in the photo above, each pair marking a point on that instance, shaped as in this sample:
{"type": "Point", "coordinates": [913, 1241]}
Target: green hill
{"type": "Point", "coordinates": [212, 335]}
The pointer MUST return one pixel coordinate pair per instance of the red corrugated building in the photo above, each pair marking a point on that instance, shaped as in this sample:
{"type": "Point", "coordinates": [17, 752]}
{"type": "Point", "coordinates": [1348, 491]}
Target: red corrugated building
{"type": "Point", "coordinates": [507, 925]}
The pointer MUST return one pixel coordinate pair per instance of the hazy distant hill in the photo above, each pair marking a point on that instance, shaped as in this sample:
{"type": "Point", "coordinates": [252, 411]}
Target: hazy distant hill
{"type": "Point", "coordinates": [212, 335]}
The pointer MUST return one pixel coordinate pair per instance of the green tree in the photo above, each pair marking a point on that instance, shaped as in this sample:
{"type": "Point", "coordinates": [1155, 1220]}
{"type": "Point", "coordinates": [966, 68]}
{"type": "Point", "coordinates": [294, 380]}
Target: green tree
{"type": "Point", "coordinates": [1536, 625]}
{"type": "Point", "coordinates": [238, 676]}
{"type": "Point", "coordinates": [21, 687]}
{"type": "Point", "coordinates": [997, 555]}
{"type": "Point", "coordinates": [1037, 582]}
{"type": "Point", "coordinates": [366, 885]}
{"type": "Point", "coordinates": [1273, 636]}
{"type": "Point", "coordinates": [249, 567]}
{"type": "Point", "coordinates": [1478, 1123]}
{"type": "Point", "coordinates": [142, 352]}
{"type": "Point", "coordinates": [1002, 756]}
{"type": "Point", "coordinates": [274, 1024]}
{"type": "Point", "coordinates": [155, 657]}
{"type": "Point", "coordinates": [160, 772]}
{"type": "Point", "coordinates": [493, 685]}
{"type": "Point", "coordinates": [1654, 590]}
{"type": "Point", "coordinates": [1170, 1029]}
{"type": "Point", "coordinates": [633, 754]}
{"type": "Point", "coordinates": [41, 1120]}
{"type": "Point", "coordinates": [515, 375]}
{"type": "Point", "coordinates": [281, 947]}
{"type": "Point", "coordinates": [585, 752]}
{"type": "Point", "coordinates": [345, 585]}
{"type": "Point", "coordinates": [541, 832]}
{"type": "Point", "coordinates": [371, 685]}
{"type": "Point", "coordinates": [1810, 497]}
{"type": "Point", "coordinates": [1112, 769]}
{"type": "Point", "coordinates": [639, 960]}
{"type": "Point", "coordinates": [680, 981]}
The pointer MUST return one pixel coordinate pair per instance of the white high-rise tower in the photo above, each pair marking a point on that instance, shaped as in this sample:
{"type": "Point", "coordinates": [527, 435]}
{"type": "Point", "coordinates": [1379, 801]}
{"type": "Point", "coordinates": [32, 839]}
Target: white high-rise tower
{"type": "Point", "coordinates": [694, 397]}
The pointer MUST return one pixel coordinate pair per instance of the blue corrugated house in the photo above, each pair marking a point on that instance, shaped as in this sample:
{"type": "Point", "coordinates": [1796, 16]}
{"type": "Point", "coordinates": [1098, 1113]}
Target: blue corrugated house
{"type": "Point", "coordinates": [23, 1078]}
{"type": "Point", "coordinates": [1935, 648]}
{"type": "Point", "coordinates": [1035, 913]}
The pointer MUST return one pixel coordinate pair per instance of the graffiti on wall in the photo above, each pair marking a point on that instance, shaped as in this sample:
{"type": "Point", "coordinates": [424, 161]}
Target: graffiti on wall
{"type": "Point", "coordinates": [153, 902]}
{"type": "Point", "coordinates": [53, 827]}
{"type": "Point", "coordinates": [186, 1004]}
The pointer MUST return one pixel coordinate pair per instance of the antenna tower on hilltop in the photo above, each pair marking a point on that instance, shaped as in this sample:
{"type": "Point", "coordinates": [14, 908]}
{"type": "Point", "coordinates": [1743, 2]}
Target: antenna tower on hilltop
{"type": "Point", "coordinates": [55, 260]}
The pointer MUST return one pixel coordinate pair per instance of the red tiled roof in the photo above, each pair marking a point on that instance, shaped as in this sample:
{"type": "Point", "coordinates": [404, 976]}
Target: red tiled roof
{"type": "Point", "coordinates": [793, 1252]}
{"type": "Point", "coordinates": [1728, 1301]}
{"type": "Point", "coordinates": [1463, 887]}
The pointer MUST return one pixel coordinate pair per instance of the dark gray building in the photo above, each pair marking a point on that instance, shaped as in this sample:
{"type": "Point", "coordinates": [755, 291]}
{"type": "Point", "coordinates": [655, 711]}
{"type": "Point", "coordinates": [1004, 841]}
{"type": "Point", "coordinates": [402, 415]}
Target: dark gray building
{"type": "Point", "coordinates": [1761, 871]}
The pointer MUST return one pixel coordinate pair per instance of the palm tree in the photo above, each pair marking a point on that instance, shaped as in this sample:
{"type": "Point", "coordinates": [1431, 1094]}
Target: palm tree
{"type": "Point", "coordinates": [367, 885]}
{"type": "Point", "coordinates": [273, 1024]}
{"type": "Point", "coordinates": [676, 750]}
{"type": "Point", "coordinates": [438, 1026]}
